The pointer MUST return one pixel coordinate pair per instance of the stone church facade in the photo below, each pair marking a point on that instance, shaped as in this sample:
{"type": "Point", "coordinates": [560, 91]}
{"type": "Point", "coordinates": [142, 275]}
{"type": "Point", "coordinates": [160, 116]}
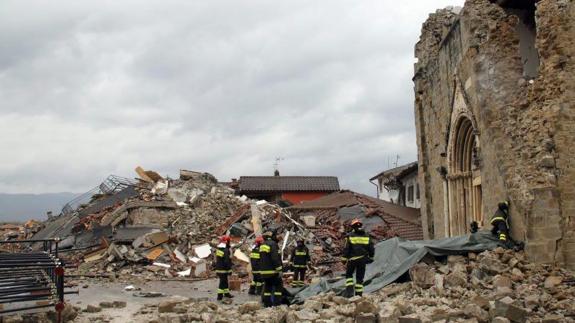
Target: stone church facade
{"type": "Point", "coordinates": [495, 119]}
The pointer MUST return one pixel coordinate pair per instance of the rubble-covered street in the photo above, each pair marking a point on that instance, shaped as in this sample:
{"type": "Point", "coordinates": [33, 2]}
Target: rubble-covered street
{"type": "Point", "coordinates": [474, 222]}
{"type": "Point", "coordinates": [493, 286]}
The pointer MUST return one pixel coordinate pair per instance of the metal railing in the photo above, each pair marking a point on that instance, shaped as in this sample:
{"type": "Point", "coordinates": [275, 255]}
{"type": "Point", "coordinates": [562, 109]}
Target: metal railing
{"type": "Point", "coordinates": [32, 279]}
{"type": "Point", "coordinates": [112, 184]}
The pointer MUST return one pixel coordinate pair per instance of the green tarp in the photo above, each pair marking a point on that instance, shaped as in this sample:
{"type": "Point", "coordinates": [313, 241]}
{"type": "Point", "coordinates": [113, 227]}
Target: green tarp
{"type": "Point", "coordinates": [394, 257]}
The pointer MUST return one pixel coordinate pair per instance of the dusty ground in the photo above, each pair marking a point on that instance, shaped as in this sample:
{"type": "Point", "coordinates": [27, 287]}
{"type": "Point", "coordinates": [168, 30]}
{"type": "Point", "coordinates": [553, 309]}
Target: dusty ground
{"type": "Point", "coordinates": [98, 291]}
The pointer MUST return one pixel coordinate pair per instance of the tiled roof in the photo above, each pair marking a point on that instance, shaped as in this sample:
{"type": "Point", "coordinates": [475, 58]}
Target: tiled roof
{"type": "Point", "coordinates": [288, 184]}
{"type": "Point", "coordinates": [403, 221]}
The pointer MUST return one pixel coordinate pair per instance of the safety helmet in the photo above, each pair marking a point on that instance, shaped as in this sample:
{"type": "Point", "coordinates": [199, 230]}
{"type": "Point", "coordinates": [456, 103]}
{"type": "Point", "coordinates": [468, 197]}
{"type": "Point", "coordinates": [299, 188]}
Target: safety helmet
{"type": "Point", "coordinates": [259, 240]}
{"type": "Point", "coordinates": [267, 234]}
{"type": "Point", "coordinates": [503, 205]}
{"type": "Point", "coordinates": [356, 222]}
{"type": "Point", "coordinates": [225, 239]}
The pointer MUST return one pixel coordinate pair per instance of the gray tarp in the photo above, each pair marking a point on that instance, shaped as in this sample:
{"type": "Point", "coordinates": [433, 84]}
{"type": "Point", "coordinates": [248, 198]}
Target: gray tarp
{"type": "Point", "coordinates": [394, 257]}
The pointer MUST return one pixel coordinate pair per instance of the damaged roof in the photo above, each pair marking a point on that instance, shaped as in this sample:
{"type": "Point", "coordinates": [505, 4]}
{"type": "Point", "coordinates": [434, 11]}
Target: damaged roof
{"type": "Point", "coordinates": [405, 221]}
{"type": "Point", "coordinates": [397, 172]}
{"type": "Point", "coordinates": [288, 184]}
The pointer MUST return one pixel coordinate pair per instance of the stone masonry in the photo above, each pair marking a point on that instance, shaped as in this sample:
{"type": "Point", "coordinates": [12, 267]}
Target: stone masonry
{"type": "Point", "coordinates": [505, 71]}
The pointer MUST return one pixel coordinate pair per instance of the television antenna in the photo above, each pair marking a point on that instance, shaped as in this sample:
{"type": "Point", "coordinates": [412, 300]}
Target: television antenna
{"type": "Point", "coordinates": [277, 164]}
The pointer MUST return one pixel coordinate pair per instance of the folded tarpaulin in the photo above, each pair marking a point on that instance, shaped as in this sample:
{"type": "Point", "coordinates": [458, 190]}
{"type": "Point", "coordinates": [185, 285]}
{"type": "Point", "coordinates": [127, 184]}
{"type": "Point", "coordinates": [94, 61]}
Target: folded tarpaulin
{"type": "Point", "coordinates": [394, 257]}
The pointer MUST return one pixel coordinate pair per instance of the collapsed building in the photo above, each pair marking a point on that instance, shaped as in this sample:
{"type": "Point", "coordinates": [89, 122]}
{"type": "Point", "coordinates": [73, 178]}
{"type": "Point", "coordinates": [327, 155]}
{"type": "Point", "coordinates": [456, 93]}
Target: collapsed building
{"type": "Point", "coordinates": [495, 119]}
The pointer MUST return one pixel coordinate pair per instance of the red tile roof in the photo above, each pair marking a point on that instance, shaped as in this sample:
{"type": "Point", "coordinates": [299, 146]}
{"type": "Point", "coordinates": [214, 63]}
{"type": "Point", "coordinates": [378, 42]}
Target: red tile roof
{"type": "Point", "coordinates": [401, 221]}
{"type": "Point", "coordinates": [288, 184]}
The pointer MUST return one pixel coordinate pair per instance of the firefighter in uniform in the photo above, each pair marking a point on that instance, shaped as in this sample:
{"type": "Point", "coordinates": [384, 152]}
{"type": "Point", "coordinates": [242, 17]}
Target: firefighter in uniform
{"type": "Point", "coordinates": [358, 252]}
{"type": "Point", "coordinates": [500, 223]}
{"type": "Point", "coordinates": [270, 270]}
{"type": "Point", "coordinates": [256, 285]}
{"type": "Point", "coordinates": [299, 259]}
{"type": "Point", "coordinates": [223, 267]}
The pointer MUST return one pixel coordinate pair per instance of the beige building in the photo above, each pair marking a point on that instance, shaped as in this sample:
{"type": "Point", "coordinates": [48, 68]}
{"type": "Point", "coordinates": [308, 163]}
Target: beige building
{"type": "Point", "coordinates": [495, 119]}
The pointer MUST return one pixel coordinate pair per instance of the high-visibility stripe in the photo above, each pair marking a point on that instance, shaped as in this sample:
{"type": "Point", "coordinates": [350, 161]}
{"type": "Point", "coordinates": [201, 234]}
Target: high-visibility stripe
{"type": "Point", "coordinates": [359, 240]}
{"type": "Point", "coordinates": [356, 258]}
{"type": "Point", "coordinates": [279, 268]}
{"type": "Point", "coordinates": [258, 284]}
{"type": "Point", "coordinates": [300, 253]}
{"type": "Point", "coordinates": [223, 271]}
{"type": "Point", "coordinates": [267, 294]}
{"type": "Point", "coordinates": [265, 248]}
{"type": "Point", "coordinates": [502, 237]}
{"type": "Point", "coordinates": [349, 282]}
{"type": "Point", "coordinates": [254, 255]}
{"type": "Point", "coordinates": [299, 266]}
{"type": "Point", "coordinates": [267, 272]}
{"type": "Point", "coordinates": [497, 218]}
{"type": "Point", "coordinates": [278, 293]}
{"type": "Point", "coordinates": [221, 291]}
{"type": "Point", "coordinates": [343, 258]}
{"type": "Point", "coordinates": [219, 253]}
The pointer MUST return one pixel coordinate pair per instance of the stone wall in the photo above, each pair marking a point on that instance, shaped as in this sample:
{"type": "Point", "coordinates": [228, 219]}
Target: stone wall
{"type": "Point", "coordinates": [470, 63]}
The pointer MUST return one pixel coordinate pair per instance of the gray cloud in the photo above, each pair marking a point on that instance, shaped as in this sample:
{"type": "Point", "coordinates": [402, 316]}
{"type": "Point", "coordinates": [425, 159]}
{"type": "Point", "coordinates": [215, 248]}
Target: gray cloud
{"type": "Point", "coordinates": [89, 88]}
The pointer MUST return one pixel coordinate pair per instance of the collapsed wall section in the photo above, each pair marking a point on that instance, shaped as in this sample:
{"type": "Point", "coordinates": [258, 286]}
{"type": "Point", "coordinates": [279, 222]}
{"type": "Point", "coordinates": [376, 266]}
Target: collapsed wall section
{"type": "Point", "coordinates": [481, 65]}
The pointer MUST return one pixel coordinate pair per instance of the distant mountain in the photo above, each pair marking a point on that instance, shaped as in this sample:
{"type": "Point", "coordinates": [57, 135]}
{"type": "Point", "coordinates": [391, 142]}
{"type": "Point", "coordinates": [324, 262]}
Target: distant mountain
{"type": "Point", "coordinates": [23, 207]}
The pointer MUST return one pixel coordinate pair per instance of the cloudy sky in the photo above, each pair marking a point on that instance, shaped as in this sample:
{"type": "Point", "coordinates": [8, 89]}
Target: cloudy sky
{"type": "Point", "coordinates": [92, 88]}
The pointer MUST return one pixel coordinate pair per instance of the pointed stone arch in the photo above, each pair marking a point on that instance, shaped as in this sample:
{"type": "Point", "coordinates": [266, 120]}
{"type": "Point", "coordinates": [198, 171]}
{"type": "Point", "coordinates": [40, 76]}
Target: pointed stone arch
{"type": "Point", "coordinates": [464, 196]}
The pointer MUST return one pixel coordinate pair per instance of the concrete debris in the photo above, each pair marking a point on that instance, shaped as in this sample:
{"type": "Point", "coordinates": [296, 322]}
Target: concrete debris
{"type": "Point", "coordinates": [168, 228]}
{"type": "Point", "coordinates": [420, 300]}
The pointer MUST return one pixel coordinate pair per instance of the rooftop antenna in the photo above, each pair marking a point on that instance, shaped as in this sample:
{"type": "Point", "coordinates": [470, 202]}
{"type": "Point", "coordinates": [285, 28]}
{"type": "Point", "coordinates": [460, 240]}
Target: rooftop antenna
{"type": "Point", "coordinates": [396, 160]}
{"type": "Point", "coordinates": [277, 166]}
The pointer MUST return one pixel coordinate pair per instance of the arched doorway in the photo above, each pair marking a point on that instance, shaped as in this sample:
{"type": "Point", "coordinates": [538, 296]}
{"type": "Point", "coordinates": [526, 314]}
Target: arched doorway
{"type": "Point", "coordinates": [464, 178]}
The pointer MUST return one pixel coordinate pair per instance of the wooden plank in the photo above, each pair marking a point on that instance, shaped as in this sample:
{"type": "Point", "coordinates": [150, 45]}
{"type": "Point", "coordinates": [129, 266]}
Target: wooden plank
{"type": "Point", "coordinates": [155, 253]}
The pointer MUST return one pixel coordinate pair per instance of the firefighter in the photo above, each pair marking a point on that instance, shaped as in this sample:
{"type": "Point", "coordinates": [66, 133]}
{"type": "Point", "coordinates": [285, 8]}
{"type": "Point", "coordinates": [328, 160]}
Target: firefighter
{"type": "Point", "coordinates": [500, 224]}
{"type": "Point", "coordinates": [299, 260]}
{"type": "Point", "coordinates": [270, 270]}
{"type": "Point", "coordinates": [256, 285]}
{"type": "Point", "coordinates": [223, 267]}
{"type": "Point", "coordinates": [357, 254]}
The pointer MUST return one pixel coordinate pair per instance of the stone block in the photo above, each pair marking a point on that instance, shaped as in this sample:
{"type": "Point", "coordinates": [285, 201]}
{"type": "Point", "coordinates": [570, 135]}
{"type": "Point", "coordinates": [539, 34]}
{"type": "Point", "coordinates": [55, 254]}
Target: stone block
{"type": "Point", "coordinates": [541, 251]}
{"type": "Point", "coordinates": [411, 318]}
{"type": "Point", "coordinates": [366, 318]}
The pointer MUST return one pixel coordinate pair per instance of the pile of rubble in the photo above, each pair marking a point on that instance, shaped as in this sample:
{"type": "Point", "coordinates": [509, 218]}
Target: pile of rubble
{"type": "Point", "coordinates": [493, 286]}
{"type": "Point", "coordinates": [163, 228]}
{"type": "Point", "coordinates": [160, 228]}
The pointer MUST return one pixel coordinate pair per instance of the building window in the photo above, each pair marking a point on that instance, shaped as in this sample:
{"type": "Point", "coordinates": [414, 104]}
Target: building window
{"type": "Point", "coordinates": [410, 194]}
{"type": "Point", "coordinates": [417, 192]}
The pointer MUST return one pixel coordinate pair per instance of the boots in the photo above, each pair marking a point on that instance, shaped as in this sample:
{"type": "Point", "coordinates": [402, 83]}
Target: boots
{"type": "Point", "coordinates": [252, 290]}
{"type": "Point", "coordinates": [349, 292]}
{"type": "Point", "coordinates": [228, 295]}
